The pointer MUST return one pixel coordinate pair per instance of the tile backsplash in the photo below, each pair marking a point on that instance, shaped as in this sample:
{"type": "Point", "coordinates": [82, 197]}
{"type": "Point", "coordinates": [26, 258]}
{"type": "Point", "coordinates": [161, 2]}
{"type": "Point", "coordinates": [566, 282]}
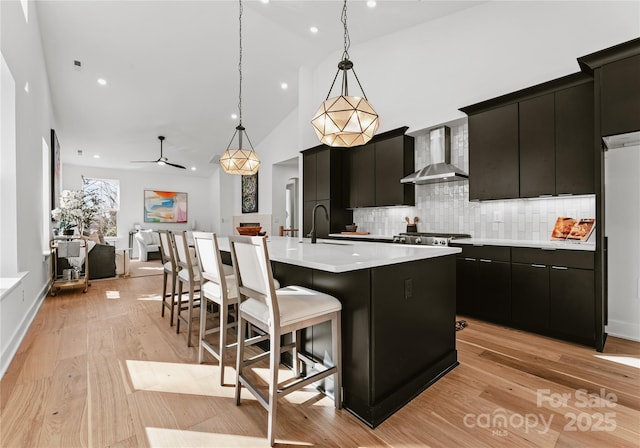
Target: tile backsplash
{"type": "Point", "coordinates": [445, 207]}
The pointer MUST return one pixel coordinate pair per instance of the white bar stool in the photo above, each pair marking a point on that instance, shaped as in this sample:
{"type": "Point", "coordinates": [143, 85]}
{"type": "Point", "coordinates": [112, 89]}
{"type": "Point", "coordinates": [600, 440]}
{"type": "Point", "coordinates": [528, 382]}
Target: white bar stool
{"type": "Point", "coordinates": [218, 286]}
{"type": "Point", "coordinates": [276, 313]}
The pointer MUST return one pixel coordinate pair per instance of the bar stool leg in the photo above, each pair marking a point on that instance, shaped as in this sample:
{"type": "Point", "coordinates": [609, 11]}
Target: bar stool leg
{"type": "Point", "coordinates": [336, 337]}
{"type": "Point", "coordinates": [274, 364]}
{"type": "Point", "coordinates": [240, 357]}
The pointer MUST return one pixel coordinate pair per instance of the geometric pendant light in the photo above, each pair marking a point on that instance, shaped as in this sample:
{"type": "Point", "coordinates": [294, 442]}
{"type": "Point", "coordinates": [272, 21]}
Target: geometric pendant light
{"type": "Point", "coordinates": [345, 120]}
{"type": "Point", "coordinates": [240, 160]}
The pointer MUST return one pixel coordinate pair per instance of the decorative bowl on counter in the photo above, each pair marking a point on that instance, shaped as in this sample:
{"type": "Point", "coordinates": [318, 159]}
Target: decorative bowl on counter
{"type": "Point", "coordinates": [351, 228]}
{"type": "Point", "coordinates": [249, 230]}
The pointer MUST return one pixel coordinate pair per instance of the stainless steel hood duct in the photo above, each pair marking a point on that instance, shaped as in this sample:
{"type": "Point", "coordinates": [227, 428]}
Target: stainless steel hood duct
{"type": "Point", "coordinates": [440, 169]}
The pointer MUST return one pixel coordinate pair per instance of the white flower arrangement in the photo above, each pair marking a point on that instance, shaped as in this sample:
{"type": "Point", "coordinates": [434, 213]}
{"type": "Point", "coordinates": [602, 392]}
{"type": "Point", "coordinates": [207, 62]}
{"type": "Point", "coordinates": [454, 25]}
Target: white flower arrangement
{"type": "Point", "coordinates": [77, 208]}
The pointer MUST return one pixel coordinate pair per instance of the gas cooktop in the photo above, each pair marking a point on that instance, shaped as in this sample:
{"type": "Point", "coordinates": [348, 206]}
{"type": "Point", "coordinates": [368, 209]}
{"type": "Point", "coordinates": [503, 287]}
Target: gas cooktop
{"type": "Point", "coordinates": [427, 239]}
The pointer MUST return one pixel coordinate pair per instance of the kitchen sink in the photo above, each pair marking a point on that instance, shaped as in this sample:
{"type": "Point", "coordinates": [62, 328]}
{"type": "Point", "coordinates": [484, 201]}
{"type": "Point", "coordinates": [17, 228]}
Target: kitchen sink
{"type": "Point", "coordinates": [328, 242]}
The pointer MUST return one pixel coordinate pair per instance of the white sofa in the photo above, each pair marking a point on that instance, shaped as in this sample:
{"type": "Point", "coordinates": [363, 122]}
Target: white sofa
{"type": "Point", "coordinates": [148, 242]}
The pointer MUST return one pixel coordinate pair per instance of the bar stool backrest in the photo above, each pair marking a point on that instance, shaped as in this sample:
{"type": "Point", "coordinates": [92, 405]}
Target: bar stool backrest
{"type": "Point", "coordinates": [167, 250]}
{"type": "Point", "coordinates": [210, 260]}
{"type": "Point", "coordinates": [253, 272]}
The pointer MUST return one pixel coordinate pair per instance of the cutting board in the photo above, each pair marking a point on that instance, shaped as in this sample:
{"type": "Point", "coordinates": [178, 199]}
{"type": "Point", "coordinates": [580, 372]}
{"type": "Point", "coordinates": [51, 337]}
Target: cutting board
{"type": "Point", "coordinates": [354, 233]}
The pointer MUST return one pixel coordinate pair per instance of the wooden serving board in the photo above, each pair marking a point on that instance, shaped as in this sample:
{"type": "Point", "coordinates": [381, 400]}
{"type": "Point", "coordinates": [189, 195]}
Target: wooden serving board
{"type": "Point", "coordinates": [354, 233]}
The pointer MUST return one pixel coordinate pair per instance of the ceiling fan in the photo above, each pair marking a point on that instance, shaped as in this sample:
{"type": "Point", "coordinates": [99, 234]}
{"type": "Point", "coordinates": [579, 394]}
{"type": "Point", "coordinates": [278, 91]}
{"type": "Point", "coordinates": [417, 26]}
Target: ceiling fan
{"type": "Point", "coordinates": [161, 160]}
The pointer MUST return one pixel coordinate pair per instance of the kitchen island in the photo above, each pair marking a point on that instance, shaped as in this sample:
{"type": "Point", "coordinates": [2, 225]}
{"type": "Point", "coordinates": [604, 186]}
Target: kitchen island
{"type": "Point", "coordinates": [398, 315]}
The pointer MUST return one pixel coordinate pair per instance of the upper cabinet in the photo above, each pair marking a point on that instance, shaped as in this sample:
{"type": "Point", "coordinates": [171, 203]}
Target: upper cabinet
{"type": "Point", "coordinates": [534, 142]}
{"type": "Point", "coordinates": [323, 182]}
{"type": "Point", "coordinates": [493, 153]}
{"type": "Point", "coordinates": [574, 140]}
{"type": "Point", "coordinates": [375, 171]}
{"type": "Point", "coordinates": [616, 71]}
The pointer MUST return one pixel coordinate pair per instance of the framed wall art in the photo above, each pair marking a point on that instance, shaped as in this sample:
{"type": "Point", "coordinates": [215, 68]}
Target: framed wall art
{"type": "Point", "coordinates": [250, 193]}
{"type": "Point", "coordinates": [165, 206]}
{"type": "Point", "coordinates": [56, 167]}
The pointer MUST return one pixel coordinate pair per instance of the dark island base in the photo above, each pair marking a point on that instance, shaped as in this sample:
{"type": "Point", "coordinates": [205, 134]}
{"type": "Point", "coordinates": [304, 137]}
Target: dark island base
{"type": "Point", "coordinates": [398, 330]}
{"type": "Point", "coordinates": [373, 416]}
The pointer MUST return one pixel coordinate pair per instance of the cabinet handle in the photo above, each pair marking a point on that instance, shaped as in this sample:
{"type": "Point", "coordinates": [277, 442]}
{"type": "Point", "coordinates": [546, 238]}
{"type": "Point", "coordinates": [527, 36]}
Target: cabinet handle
{"type": "Point", "coordinates": [562, 268]}
{"type": "Point", "coordinates": [469, 259]}
{"type": "Point", "coordinates": [538, 266]}
{"type": "Point", "coordinates": [548, 248]}
{"type": "Point", "coordinates": [484, 260]}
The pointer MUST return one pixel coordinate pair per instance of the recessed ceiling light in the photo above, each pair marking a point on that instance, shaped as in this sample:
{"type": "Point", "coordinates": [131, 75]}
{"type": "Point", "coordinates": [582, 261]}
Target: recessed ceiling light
{"type": "Point", "coordinates": [26, 87]}
{"type": "Point", "coordinates": [371, 3]}
{"type": "Point", "coordinates": [313, 29]}
{"type": "Point", "coordinates": [102, 81]}
{"type": "Point", "coordinates": [234, 116]}
{"type": "Point", "coordinates": [265, 1]}
{"type": "Point", "coordinates": [284, 86]}
{"type": "Point", "coordinates": [193, 168]}
{"type": "Point", "coordinates": [96, 156]}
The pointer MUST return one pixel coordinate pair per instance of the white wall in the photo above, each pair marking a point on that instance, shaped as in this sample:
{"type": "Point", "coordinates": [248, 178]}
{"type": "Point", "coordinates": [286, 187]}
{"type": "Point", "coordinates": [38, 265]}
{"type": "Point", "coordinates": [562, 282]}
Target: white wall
{"type": "Point", "coordinates": [202, 196]}
{"type": "Point", "coordinates": [22, 50]}
{"type": "Point", "coordinates": [279, 146]}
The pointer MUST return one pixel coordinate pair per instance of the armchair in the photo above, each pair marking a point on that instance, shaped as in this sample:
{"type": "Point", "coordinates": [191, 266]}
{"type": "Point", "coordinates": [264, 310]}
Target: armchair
{"type": "Point", "coordinates": [148, 242]}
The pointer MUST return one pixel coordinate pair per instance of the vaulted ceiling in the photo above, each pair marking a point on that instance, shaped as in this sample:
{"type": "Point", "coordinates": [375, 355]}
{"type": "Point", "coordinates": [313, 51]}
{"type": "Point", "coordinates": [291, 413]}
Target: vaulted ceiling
{"type": "Point", "coordinates": [171, 69]}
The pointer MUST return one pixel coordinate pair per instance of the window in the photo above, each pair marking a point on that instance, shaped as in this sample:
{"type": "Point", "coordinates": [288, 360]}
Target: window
{"type": "Point", "coordinates": [107, 193]}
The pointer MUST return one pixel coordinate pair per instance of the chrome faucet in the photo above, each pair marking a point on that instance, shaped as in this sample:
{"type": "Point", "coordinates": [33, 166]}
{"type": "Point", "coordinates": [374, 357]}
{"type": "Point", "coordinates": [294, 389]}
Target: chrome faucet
{"type": "Point", "coordinates": [312, 234]}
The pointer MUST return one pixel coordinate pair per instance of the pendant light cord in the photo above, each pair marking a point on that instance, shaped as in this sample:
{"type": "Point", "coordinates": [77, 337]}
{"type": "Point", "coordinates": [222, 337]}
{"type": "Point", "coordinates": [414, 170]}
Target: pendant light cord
{"type": "Point", "coordinates": [347, 40]}
{"type": "Point", "coordinates": [240, 64]}
{"type": "Point", "coordinates": [345, 64]}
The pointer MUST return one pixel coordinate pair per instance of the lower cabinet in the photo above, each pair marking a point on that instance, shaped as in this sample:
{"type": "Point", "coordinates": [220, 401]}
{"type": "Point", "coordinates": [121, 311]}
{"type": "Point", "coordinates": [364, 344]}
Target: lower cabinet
{"type": "Point", "coordinates": [530, 300]}
{"type": "Point", "coordinates": [551, 292]}
{"type": "Point", "coordinates": [484, 283]}
{"type": "Point", "coordinates": [572, 296]}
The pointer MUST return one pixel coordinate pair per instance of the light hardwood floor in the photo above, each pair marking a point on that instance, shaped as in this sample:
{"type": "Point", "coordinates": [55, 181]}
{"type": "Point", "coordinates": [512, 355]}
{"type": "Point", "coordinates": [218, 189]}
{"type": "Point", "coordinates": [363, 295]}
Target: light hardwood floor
{"type": "Point", "coordinates": [103, 369]}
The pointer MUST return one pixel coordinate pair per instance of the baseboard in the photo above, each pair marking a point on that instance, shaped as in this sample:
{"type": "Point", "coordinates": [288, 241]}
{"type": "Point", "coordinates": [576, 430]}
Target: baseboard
{"type": "Point", "coordinates": [14, 344]}
{"type": "Point", "coordinates": [624, 330]}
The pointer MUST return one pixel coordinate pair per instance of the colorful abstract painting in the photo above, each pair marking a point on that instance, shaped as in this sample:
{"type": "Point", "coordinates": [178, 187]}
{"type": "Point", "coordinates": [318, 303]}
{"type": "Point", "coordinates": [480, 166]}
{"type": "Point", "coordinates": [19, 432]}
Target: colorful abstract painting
{"type": "Point", "coordinates": [250, 193]}
{"type": "Point", "coordinates": [165, 206]}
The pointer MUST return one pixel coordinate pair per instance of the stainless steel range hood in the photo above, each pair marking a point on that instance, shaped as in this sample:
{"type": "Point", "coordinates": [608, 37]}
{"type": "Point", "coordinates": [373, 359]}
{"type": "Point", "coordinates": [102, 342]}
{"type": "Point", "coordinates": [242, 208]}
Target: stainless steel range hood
{"type": "Point", "coordinates": [440, 169]}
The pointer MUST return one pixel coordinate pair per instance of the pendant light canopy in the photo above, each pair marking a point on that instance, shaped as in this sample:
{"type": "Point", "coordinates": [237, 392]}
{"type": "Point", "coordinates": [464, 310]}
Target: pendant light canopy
{"type": "Point", "coordinates": [345, 120]}
{"type": "Point", "coordinates": [241, 160]}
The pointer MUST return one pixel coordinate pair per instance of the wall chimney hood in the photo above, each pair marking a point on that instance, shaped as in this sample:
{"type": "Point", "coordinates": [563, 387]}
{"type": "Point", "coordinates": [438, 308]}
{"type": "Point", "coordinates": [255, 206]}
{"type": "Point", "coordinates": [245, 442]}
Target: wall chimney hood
{"type": "Point", "coordinates": [440, 169]}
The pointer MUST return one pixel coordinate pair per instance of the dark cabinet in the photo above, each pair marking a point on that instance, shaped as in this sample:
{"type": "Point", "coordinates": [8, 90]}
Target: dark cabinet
{"type": "Point", "coordinates": [537, 146]}
{"type": "Point", "coordinates": [483, 283]}
{"type": "Point", "coordinates": [375, 171]}
{"type": "Point", "coordinates": [553, 292]}
{"type": "Point", "coordinates": [530, 296]}
{"type": "Point", "coordinates": [394, 159]}
{"type": "Point", "coordinates": [550, 292]}
{"type": "Point", "coordinates": [361, 178]}
{"type": "Point", "coordinates": [556, 143]}
{"type": "Point", "coordinates": [572, 299]}
{"type": "Point", "coordinates": [493, 154]}
{"type": "Point", "coordinates": [535, 142]}
{"type": "Point", "coordinates": [574, 153]}
{"type": "Point", "coordinates": [323, 183]}
{"type": "Point", "coordinates": [620, 96]}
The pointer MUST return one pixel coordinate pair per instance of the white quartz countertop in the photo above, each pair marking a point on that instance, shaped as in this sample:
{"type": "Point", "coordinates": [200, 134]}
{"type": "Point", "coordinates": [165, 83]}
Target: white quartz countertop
{"type": "Point", "coordinates": [343, 256]}
{"type": "Point", "coordinates": [567, 245]}
{"type": "Point", "coordinates": [364, 237]}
